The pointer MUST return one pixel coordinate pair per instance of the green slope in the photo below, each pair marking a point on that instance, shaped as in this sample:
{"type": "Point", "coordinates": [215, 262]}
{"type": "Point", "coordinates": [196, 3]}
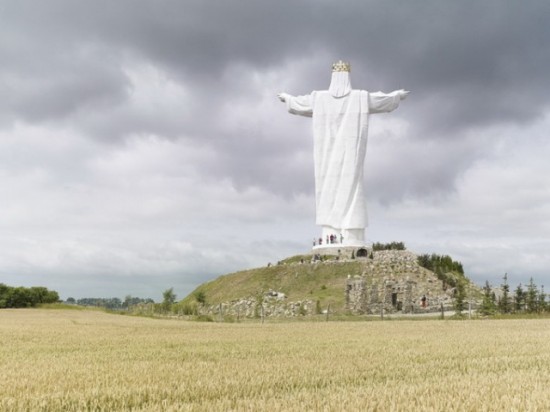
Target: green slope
{"type": "Point", "coordinates": [322, 281]}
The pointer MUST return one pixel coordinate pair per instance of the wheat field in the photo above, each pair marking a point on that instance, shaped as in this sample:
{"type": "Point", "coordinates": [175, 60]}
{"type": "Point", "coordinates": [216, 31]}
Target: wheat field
{"type": "Point", "coordinates": [62, 360]}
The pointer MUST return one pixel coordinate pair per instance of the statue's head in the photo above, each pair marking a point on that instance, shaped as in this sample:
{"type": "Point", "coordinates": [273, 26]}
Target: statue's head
{"type": "Point", "coordinates": [340, 84]}
{"type": "Point", "coordinates": [341, 66]}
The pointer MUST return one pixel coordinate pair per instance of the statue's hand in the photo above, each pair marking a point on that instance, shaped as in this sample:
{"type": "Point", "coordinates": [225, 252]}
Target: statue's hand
{"type": "Point", "coordinates": [403, 94]}
{"type": "Point", "coordinates": [282, 97]}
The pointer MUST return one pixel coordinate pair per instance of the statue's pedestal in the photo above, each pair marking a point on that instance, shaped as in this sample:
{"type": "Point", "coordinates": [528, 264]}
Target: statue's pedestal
{"type": "Point", "coordinates": [345, 251]}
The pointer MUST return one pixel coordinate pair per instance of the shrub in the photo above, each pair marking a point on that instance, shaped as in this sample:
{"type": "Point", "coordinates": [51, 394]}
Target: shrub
{"type": "Point", "coordinates": [200, 297]}
{"type": "Point", "coordinates": [204, 318]}
{"type": "Point", "coordinates": [388, 246]}
{"type": "Point", "coordinates": [21, 297]}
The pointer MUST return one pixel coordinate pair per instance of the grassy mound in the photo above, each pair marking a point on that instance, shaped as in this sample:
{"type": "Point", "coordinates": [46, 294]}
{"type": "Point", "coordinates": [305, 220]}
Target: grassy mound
{"type": "Point", "coordinates": [324, 282]}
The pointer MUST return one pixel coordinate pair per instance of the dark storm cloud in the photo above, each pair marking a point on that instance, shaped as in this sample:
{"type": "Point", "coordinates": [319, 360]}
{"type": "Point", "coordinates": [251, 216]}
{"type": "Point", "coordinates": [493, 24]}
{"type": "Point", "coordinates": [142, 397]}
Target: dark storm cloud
{"type": "Point", "coordinates": [469, 64]}
{"type": "Point", "coordinates": [462, 52]}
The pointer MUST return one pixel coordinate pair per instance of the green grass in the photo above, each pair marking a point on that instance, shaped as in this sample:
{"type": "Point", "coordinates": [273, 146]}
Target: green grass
{"type": "Point", "coordinates": [323, 282]}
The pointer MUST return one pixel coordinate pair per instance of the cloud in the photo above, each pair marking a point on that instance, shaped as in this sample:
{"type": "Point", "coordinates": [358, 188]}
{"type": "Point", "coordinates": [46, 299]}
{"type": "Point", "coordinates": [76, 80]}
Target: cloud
{"type": "Point", "coordinates": [497, 218]}
{"type": "Point", "coordinates": [91, 210]}
{"type": "Point", "coordinates": [142, 142]}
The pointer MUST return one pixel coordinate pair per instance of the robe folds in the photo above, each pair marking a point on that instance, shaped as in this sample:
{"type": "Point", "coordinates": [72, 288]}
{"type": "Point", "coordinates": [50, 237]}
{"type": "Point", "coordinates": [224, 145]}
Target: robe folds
{"type": "Point", "coordinates": [340, 128]}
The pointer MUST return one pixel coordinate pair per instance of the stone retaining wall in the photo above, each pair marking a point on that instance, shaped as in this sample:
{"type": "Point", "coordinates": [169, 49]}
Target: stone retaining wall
{"type": "Point", "coordinates": [269, 306]}
{"type": "Point", "coordinates": [393, 281]}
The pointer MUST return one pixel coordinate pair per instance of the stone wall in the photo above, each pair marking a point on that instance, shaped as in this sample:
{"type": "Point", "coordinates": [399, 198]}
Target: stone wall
{"type": "Point", "coordinates": [393, 281]}
{"type": "Point", "coordinates": [272, 304]}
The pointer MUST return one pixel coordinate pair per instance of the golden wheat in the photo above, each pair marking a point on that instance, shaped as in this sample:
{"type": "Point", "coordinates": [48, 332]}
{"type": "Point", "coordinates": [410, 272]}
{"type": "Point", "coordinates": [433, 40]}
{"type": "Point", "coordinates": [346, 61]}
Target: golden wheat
{"type": "Point", "coordinates": [87, 360]}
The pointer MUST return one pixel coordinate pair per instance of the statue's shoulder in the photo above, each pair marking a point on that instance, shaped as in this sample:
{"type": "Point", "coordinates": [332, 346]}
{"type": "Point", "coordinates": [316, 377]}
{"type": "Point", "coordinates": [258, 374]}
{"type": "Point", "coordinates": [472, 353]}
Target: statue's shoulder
{"type": "Point", "coordinates": [357, 94]}
{"type": "Point", "coordinates": [319, 94]}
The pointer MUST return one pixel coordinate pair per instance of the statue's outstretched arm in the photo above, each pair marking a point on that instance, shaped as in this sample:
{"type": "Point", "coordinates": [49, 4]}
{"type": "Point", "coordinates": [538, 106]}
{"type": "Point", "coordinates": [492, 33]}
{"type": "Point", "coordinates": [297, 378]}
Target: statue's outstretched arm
{"type": "Point", "coordinates": [386, 102]}
{"type": "Point", "coordinates": [300, 105]}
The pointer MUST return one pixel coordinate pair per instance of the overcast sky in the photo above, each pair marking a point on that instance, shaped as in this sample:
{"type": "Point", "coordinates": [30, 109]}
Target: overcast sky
{"type": "Point", "coordinates": [142, 144]}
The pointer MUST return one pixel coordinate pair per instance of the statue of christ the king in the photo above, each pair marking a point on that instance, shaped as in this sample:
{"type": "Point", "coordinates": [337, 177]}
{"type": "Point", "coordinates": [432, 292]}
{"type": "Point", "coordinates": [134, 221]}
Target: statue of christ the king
{"type": "Point", "coordinates": [340, 125]}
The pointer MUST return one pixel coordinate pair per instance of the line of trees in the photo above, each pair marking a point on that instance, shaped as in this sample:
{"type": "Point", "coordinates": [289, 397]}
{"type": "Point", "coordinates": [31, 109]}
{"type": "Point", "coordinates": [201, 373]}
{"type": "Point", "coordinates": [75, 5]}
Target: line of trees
{"type": "Point", "coordinates": [22, 297]}
{"type": "Point", "coordinates": [110, 303]}
{"type": "Point", "coordinates": [131, 304]}
{"type": "Point", "coordinates": [529, 299]}
{"type": "Point", "coordinates": [147, 307]}
{"type": "Point", "coordinates": [440, 263]}
{"type": "Point", "coordinates": [449, 271]}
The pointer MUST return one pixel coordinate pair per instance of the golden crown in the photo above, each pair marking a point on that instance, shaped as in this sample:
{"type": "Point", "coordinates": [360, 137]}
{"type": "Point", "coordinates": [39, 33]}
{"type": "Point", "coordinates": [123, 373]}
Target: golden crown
{"type": "Point", "coordinates": [341, 66]}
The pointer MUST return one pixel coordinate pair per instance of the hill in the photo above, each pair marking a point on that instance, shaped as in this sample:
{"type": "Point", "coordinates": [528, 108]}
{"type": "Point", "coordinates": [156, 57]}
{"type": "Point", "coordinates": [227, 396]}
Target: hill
{"type": "Point", "coordinates": [392, 280]}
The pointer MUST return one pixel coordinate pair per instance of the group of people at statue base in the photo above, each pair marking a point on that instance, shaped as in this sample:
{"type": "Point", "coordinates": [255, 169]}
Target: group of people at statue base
{"type": "Point", "coordinates": [330, 240]}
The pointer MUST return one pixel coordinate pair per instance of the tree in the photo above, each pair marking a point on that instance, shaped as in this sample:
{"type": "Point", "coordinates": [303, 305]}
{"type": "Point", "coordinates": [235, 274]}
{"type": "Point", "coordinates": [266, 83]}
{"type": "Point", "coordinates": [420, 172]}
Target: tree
{"type": "Point", "coordinates": [51, 297]}
{"type": "Point", "coordinates": [542, 300]}
{"type": "Point", "coordinates": [504, 301]}
{"type": "Point", "coordinates": [130, 301]}
{"type": "Point", "coordinates": [488, 306]}
{"type": "Point", "coordinates": [127, 302]}
{"type": "Point", "coordinates": [169, 297]}
{"type": "Point", "coordinates": [21, 297]}
{"type": "Point", "coordinates": [18, 297]}
{"type": "Point", "coordinates": [3, 295]}
{"type": "Point", "coordinates": [531, 297]}
{"type": "Point", "coordinates": [519, 299]}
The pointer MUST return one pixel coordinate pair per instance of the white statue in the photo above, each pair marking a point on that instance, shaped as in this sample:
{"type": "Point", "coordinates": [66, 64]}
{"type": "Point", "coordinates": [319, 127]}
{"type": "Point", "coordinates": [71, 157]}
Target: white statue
{"type": "Point", "coordinates": [340, 125]}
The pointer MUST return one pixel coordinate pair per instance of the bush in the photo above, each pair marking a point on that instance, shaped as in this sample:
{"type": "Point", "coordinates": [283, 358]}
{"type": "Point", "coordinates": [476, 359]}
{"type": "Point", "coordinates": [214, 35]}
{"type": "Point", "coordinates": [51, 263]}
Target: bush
{"type": "Point", "coordinates": [204, 318]}
{"type": "Point", "coordinates": [388, 246]}
{"type": "Point", "coordinates": [188, 308]}
{"type": "Point", "coordinates": [200, 297]}
{"type": "Point", "coordinates": [21, 297]}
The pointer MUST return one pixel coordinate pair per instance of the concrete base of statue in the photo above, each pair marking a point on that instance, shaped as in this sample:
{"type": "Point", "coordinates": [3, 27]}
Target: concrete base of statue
{"type": "Point", "coordinates": [345, 251]}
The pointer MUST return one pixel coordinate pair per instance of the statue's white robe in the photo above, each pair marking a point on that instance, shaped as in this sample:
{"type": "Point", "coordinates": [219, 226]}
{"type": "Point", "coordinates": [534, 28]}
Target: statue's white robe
{"type": "Point", "coordinates": [340, 126]}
